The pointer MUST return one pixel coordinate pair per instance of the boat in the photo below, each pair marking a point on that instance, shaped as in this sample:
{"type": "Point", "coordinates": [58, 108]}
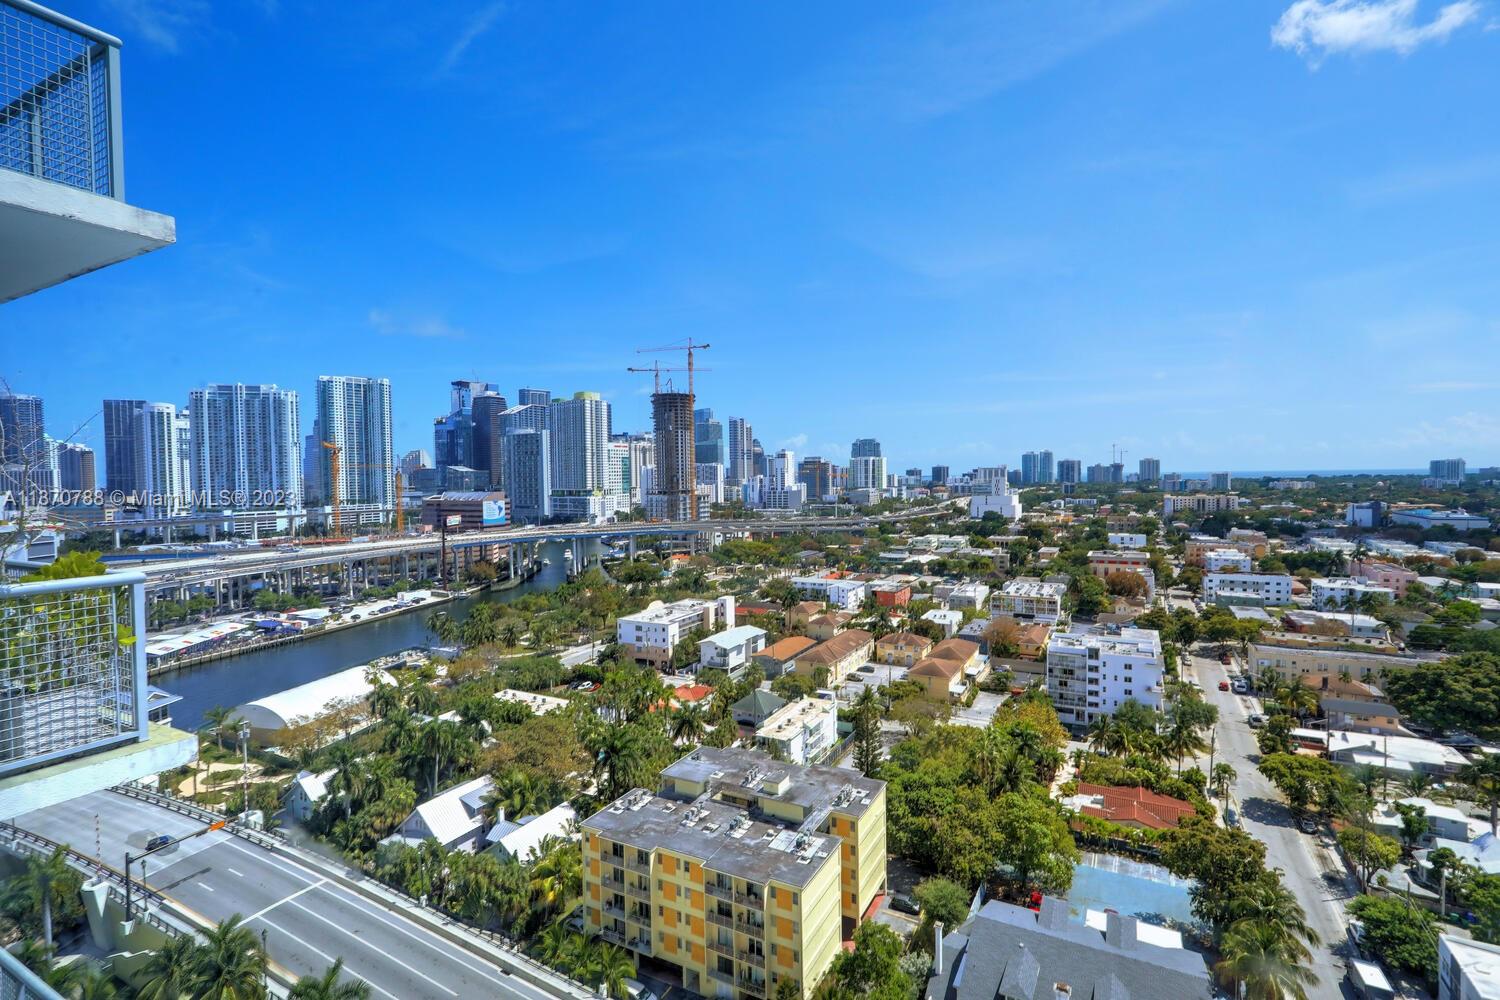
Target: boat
{"type": "Point", "coordinates": [546, 561]}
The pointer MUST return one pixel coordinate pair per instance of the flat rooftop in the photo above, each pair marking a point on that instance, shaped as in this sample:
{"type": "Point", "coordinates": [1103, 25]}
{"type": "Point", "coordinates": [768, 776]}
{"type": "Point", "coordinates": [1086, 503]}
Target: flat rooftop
{"type": "Point", "coordinates": [665, 613]}
{"type": "Point", "coordinates": [1032, 587]}
{"type": "Point", "coordinates": [812, 787]}
{"type": "Point", "coordinates": [791, 718]}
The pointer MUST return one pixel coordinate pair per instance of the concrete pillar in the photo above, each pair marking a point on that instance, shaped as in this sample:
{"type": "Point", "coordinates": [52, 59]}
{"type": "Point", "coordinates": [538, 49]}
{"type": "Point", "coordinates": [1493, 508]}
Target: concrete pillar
{"type": "Point", "coordinates": [117, 538]}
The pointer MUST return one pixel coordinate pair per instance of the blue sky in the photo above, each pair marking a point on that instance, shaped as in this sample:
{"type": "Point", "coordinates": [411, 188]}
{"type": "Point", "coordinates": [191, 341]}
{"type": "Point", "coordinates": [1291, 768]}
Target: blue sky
{"type": "Point", "coordinates": [1245, 235]}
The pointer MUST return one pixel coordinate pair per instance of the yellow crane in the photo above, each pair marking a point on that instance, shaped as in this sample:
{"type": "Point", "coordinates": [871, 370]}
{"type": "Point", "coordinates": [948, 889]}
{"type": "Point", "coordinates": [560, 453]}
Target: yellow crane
{"type": "Point", "coordinates": [335, 465]}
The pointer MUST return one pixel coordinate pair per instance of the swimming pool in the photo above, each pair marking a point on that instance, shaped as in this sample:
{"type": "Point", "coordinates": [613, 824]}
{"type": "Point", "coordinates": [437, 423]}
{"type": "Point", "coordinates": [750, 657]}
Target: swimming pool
{"type": "Point", "coordinates": [1134, 888]}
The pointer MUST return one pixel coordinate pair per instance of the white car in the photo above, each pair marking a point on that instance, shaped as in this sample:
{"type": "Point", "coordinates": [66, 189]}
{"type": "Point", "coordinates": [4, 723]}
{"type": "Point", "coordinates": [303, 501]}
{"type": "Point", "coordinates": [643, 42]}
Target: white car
{"type": "Point", "coordinates": [637, 990]}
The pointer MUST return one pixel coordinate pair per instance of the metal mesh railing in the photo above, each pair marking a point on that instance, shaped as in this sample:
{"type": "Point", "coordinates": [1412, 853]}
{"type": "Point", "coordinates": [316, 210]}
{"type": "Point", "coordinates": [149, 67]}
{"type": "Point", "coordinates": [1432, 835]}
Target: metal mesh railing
{"type": "Point", "coordinates": [69, 669]}
{"type": "Point", "coordinates": [19, 983]}
{"type": "Point", "coordinates": [55, 100]}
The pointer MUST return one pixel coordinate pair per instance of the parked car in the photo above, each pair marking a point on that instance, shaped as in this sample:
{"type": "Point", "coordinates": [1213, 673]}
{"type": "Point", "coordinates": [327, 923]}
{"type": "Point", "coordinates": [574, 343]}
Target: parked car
{"type": "Point", "coordinates": [637, 990]}
{"type": "Point", "coordinates": [1307, 824]}
{"type": "Point", "coordinates": [1257, 720]}
{"type": "Point", "coordinates": [1223, 685]}
{"type": "Point", "coordinates": [904, 903]}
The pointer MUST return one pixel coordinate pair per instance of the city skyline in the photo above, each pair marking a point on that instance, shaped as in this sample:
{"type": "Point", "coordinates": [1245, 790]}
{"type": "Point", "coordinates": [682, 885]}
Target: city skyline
{"type": "Point", "coordinates": [1029, 197]}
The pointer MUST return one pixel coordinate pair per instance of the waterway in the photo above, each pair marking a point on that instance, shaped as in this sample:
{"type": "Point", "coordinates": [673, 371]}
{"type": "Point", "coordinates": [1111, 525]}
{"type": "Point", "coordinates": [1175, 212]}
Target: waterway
{"type": "Point", "coordinates": [239, 679]}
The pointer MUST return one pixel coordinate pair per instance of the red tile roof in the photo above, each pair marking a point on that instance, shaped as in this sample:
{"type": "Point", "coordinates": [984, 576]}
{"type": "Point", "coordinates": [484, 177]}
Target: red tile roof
{"type": "Point", "coordinates": [1124, 804]}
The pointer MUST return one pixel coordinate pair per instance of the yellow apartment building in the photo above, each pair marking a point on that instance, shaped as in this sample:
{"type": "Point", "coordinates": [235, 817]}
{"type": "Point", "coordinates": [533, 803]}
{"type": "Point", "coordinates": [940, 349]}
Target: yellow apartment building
{"type": "Point", "coordinates": [742, 871]}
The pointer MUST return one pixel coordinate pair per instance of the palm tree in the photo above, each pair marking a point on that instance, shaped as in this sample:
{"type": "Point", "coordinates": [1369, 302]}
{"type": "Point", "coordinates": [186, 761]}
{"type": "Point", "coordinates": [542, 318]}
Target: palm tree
{"type": "Point", "coordinates": [557, 876]}
{"type": "Point", "coordinates": [510, 633]}
{"type": "Point", "coordinates": [518, 793]}
{"type": "Point", "coordinates": [614, 966]}
{"type": "Point", "coordinates": [1269, 903]}
{"type": "Point", "coordinates": [329, 986]}
{"type": "Point", "coordinates": [1102, 733]}
{"type": "Point", "coordinates": [170, 972]}
{"type": "Point", "coordinates": [1484, 777]}
{"type": "Point", "coordinates": [554, 945]}
{"type": "Point", "coordinates": [443, 625]}
{"type": "Point", "coordinates": [1181, 740]}
{"type": "Point", "coordinates": [216, 720]}
{"type": "Point", "coordinates": [1256, 956]}
{"type": "Point", "coordinates": [1417, 784]}
{"type": "Point", "coordinates": [440, 741]}
{"type": "Point", "coordinates": [618, 753]}
{"type": "Point", "coordinates": [686, 724]}
{"type": "Point", "coordinates": [1222, 777]}
{"type": "Point", "coordinates": [87, 983]}
{"type": "Point", "coordinates": [230, 964]}
{"type": "Point", "coordinates": [38, 885]}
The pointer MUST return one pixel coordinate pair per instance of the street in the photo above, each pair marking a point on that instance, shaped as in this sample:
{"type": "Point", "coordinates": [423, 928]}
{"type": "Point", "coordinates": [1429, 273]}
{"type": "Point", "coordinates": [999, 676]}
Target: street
{"type": "Point", "coordinates": [308, 921]}
{"type": "Point", "coordinates": [1311, 868]}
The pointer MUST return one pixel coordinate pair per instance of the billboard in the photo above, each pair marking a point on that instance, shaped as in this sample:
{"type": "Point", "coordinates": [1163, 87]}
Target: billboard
{"type": "Point", "coordinates": [454, 520]}
{"type": "Point", "coordinates": [493, 513]}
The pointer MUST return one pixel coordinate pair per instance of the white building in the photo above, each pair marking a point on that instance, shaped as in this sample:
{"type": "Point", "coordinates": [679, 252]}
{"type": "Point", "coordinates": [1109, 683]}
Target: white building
{"type": "Point", "coordinates": [163, 484]}
{"type": "Point", "coordinates": [1227, 561]}
{"type": "Point", "coordinates": [269, 715]}
{"type": "Point", "coordinates": [540, 704]}
{"type": "Point", "coordinates": [1004, 501]}
{"type": "Point", "coordinates": [650, 635]}
{"type": "Point", "coordinates": [731, 649]}
{"type": "Point", "coordinates": [1028, 599]}
{"type": "Point", "coordinates": [802, 731]}
{"type": "Point", "coordinates": [711, 474]}
{"type": "Point", "coordinates": [867, 472]}
{"type": "Point", "coordinates": [1092, 671]}
{"type": "Point", "coordinates": [784, 498]}
{"type": "Point", "coordinates": [969, 594]}
{"type": "Point", "coordinates": [354, 414]}
{"type": "Point", "coordinates": [578, 432]}
{"type": "Point", "coordinates": [453, 818]}
{"type": "Point", "coordinates": [781, 470]}
{"type": "Point", "coordinates": [247, 447]}
{"type": "Point", "coordinates": [302, 796]}
{"type": "Point", "coordinates": [1247, 589]}
{"type": "Point", "coordinates": [949, 621]}
{"type": "Point", "coordinates": [1467, 969]}
{"type": "Point", "coordinates": [1127, 540]}
{"type": "Point", "coordinates": [1343, 591]}
{"type": "Point", "coordinates": [521, 839]}
{"type": "Point", "coordinates": [839, 593]}
{"type": "Point", "coordinates": [1199, 503]}
{"type": "Point", "coordinates": [1458, 520]}
{"type": "Point", "coordinates": [1397, 755]}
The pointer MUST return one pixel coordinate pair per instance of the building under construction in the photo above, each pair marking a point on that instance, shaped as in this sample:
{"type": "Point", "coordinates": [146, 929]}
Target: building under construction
{"type": "Point", "coordinates": [673, 494]}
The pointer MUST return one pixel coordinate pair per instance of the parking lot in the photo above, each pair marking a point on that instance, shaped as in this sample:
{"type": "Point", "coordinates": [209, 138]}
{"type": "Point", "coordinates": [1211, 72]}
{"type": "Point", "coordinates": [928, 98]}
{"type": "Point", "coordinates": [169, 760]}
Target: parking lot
{"type": "Point", "coordinates": [872, 675]}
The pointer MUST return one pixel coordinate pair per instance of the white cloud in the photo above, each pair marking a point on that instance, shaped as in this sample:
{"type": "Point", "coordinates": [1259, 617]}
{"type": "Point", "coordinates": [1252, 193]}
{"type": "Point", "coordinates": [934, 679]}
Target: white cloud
{"type": "Point", "coordinates": [388, 324]}
{"type": "Point", "coordinates": [1319, 28]}
{"type": "Point", "coordinates": [483, 20]}
{"type": "Point", "coordinates": [162, 23]}
{"type": "Point", "coordinates": [797, 442]}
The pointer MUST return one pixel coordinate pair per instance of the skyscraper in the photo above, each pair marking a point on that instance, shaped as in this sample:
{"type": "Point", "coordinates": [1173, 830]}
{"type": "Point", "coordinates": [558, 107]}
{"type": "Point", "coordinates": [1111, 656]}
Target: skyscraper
{"type": "Point", "coordinates": [414, 460]}
{"type": "Point", "coordinates": [642, 457]}
{"type": "Point", "coordinates": [865, 448]}
{"type": "Point", "coordinates": [121, 430]}
{"type": "Point", "coordinates": [75, 466]}
{"type": "Point", "coordinates": [579, 430]}
{"type": "Point", "coordinates": [708, 438]}
{"type": "Point", "coordinates": [740, 461]}
{"type": "Point", "coordinates": [1448, 470]}
{"type": "Point", "coordinates": [781, 470]}
{"type": "Point", "coordinates": [161, 489]}
{"type": "Point", "coordinates": [533, 397]}
{"type": "Point", "coordinates": [817, 475]}
{"type": "Point", "coordinates": [1149, 470]}
{"type": "Point", "coordinates": [940, 474]}
{"type": "Point", "coordinates": [1069, 470]}
{"type": "Point", "coordinates": [867, 472]}
{"type": "Point", "coordinates": [527, 473]}
{"type": "Point", "coordinates": [1029, 465]}
{"type": "Point", "coordinates": [246, 447]}
{"type": "Point", "coordinates": [30, 462]}
{"type": "Point", "coordinates": [488, 436]}
{"type": "Point", "coordinates": [354, 415]}
{"type": "Point", "coordinates": [1044, 471]}
{"type": "Point", "coordinates": [673, 495]}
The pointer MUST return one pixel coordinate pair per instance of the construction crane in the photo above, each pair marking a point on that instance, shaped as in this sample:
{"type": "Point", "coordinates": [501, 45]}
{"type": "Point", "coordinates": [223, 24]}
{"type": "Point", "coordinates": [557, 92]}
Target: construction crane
{"type": "Point", "coordinates": [689, 346]}
{"type": "Point", "coordinates": [335, 465]}
{"type": "Point", "coordinates": [691, 480]}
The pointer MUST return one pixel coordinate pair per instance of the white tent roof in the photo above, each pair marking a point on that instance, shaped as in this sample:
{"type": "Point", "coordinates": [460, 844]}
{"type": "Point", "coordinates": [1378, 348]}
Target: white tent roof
{"type": "Point", "coordinates": [306, 701]}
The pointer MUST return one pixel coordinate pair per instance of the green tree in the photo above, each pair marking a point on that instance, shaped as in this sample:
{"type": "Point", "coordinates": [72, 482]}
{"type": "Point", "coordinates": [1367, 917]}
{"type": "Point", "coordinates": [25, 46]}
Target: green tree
{"type": "Point", "coordinates": [1035, 842]}
{"type": "Point", "coordinates": [943, 900]}
{"type": "Point", "coordinates": [170, 972]}
{"type": "Point", "coordinates": [45, 882]}
{"type": "Point", "coordinates": [873, 968]}
{"type": "Point", "coordinates": [1368, 852]}
{"type": "Point", "coordinates": [1458, 693]}
{"type": "Point", "coordinates": [1400, 935]}
{"type": "Point", "coordinates": [230, 963]}
{"type": "Point", "coordinates": [331, 985]}
{"type": "Point", "coordinates": [1256, 957]}
{"type": "Point", "coordinates": [216, 720]}
{"type": "Point", "coordinates": [867, 742]}
{"type": "Point", "coordinates": [1483, 776]}
{"type": "Point", "coordinates": [1223, 861]}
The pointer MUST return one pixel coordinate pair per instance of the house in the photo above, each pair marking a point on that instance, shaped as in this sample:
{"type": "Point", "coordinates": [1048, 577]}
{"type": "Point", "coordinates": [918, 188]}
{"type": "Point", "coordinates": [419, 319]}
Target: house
{"type": "Point", "coordinates": [1384, 574]}
{"type": "Point", "coordinates": [1137, 808]}
{"type": "Point", "coordinates": [755, 708]}
{"type": "Point", "coordinates": [960, 596]}
{"type": "Point", "coordinates": [891, 593]}
{"type": "Point", "coordinates": [1011, 952]}
{"type": "Point", "coordinates": [649, 636]}
{"type": "Point", "coordinates": [902, 648]}
{"type": "Point", "coordinates": [302, 796]}
{"type": "Point", "coordinates": [1443, 821]}
{"type": "Point", "coordinates": [523, 839]}
{"type": "Point", "coordinates": [946, 672]}
{"type": "Point", "coordinates": [1467, 970]}
{"type": "Point", "coordinates": [829, 624]}
{"type": "Point", "coordinates": [840, 655]}
{"type": "Point", "coordinates": [731, 649]}
{"type": "Point", "coordinates": [1030, 637]}
{"type": "Point", "coordinates": [540, 704]}
{"type": "Point", "coordinates": [1397, 755]}
{"type": "Point", "coordinates": [837, 590]}
{"type": "Point", "coordinates": [803, 612]}
{"type": "Point", "coordinates": [776, 658]}
{"type": "Point", "coordinates": [452, 818]}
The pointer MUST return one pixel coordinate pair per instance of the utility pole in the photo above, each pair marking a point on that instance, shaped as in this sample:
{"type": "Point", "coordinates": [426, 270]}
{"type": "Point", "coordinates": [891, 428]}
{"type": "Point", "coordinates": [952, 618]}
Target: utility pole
{"type": "Point", "coordinates": [245, 771]}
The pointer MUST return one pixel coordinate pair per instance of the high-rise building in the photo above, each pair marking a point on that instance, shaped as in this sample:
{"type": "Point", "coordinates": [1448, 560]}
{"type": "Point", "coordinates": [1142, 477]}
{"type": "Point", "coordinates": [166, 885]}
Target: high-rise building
{"type": "Point", "coordinates": [782, 470]}
{"type": "Point", "coordinates": [757, 458]}
{"type": "Point", "coordinates": [711, 475]}
{"type": "Point", "coordinates": [579, 430]}
{"type": "Point", "coordinates": [817, 475]}
{"type": "Point", "coordinates": [642, 457]}
{"type": "Point", "coordinates": [354, 415]}
{"type": "Point", "coordinates": [453, 433]}
{"type": "Point", "coordinates": [865, 448]}
{"type": "Point", "coordinates": [1150, 470]}
{"type": "Point", "coordinates": [75, 467]}
{"type": "Point", "coordinates": [533, 397]}
{"type": "Point", "coordinates": [1220, 481]}
{"type": "Point", "coordinates": [867, 472]}
{"type": "Point", "coordinates": [1029, 466]}
{"type": "Point", "coordinates": [1447, 470]}
{"type": "Point", "coordinates": [708, 438]}
{"type": "Point", "coordinates": [121, 431]}
{"type": "Point", "coordinates": [673, 495]}
{"type": "Point", "coordinates": [740, 461]}
{"type": "Point", "coordinates": [1069, 470]}
{"type": "Point", "coordinates": [162, 489]}
{"type": "Point", "coordinates": [246, 447]}
{"type": "Point", "coordinates": [1044, 469]}
{"type": "Point", "coordinates": [29, 461]}
{"type": "Point", "coordinates": [527, 474]}
{"type": "Point", "coordinates": [940, 474]}
{"type": "Point", "coordinates": [487, 435]}
{"type": "Point", "coordinates": [414, 460]}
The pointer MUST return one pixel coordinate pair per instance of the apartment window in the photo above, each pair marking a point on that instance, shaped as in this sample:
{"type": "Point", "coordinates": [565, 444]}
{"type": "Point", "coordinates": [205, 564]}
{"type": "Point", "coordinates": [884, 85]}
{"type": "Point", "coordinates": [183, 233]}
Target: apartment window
{"type": "Point", "coordinates": [795, 900]}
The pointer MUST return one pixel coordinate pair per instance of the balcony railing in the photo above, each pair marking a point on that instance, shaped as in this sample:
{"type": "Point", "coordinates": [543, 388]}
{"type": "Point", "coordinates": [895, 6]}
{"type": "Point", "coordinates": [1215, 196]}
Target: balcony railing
{"type": "Point", "coordinates": [720, 920]}
{"type": "Point", "coordinates": [19, 983]}
{"type": "Point", "coordinates": [719, 892]}
{"type": "Point", "coordinates": [60, 100]}
{"type": "Point", "coordinates": [72, 662]}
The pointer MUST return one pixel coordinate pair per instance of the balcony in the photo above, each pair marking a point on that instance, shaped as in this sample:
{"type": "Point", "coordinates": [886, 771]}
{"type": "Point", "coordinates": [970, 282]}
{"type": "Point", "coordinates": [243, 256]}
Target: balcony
{"type": "Point", "coordinates": [752, 902]}
{"type": "Point", "coordinates": [721, 976]}
{"type": "Point", "coordinates": [62, 169]}
{"type": "Point", "coordinates": [642, 917]}
{"type": "Point", "coordinates": [634, 864]}
{"type": "Point", "coordinates": [753, 930]}
{"type": "Point", "coordinates": [719, 920]}
{"type": "Point", "coordinates": [752, 958]}
{"type": "Point", "coordinates": [720, 948]}
{"type": "Point", "coordinates": [20, 983]}
{"type": "Point", "coordinates": [70, 667]}
{"type": "Point", "coordinates": [751, 986]}
{"type": "Point", "coordinates": [638, 893]}
{"type": "Point", "coordinates": [719, 892]}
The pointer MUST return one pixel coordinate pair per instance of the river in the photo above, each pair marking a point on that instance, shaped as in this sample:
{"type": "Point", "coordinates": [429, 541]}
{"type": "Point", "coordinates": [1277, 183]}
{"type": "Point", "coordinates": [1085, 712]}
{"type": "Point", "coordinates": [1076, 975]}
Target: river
{"type": "Point", "coordinates": [243, 678]}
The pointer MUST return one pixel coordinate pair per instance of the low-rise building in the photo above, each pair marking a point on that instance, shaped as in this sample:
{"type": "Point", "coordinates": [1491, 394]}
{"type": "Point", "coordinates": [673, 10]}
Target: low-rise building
{"type": "Point", "coordinates": [306, 792]}
{"type": "Point", "coordinates": [946, 673]}
{"type": "Point", "coordinates": [1458, 520]}
{"type": "Point", "coordinates": [1247, 589]}
{"type": "Point", "coordinates": [523, 839]}
{"type": "Point", "coordinates": [949, 621]}
{"type": "Point", "coordinates": [1227, 561]}
{"type": "Point", "coordinates": [1345, 592]}
{"type": "Point", "coordinates": [743, 872]}
{"type": "Point", "coordinates": [455, 818]}
{"type": "Point", "coordinates": [1334, 623]}
{"type": "Point", "coordinates": [1093, 670]}
{"type": "Point", "coordinates": [776, 658]}
{"type": "Point", "coordinates": [902, 648]}
{"type": "Point", "coordinates": [802, 612]}
{"type": "Point", "coordinates": [731, 650]}
{"type": "Point", "coordinates": [1336, 658]}
{"type": "Point", "coordinates": [890, 593]}
{"type": "Point", "coordinates": [959, 596]}
{"type": "Point", "coordinates": [1200, 504]}
{"type": "Point", "coordinates": [1026, 598]}
{"type": "Point", "coordinates": [1010, 952]}
{"type": "Point", "coordinates": [801, 731]}
{"type": "Point", "coordinates": [1030, 638]}
{"type": "Point", "coordinates": [1384, 574]}
{"type": "Point", "coordinates": [650, 635]}
{"type": "Point", "coordinates": [835, 590]}
{"type": "Point", "coordinates": [840, 655]}
{"type": "Point", "coordinates": [755, 708]}
{"type": "Point", "coordinates": [1103, 562]}
{"type": "Point", "coordinates": [827, 625]}
{"type": "Point", "coordinates": [1127, 540]}
{"type": "Point", "coordinates": [1398, 756]}
{"type": "Point", "coordinates": [1129, 806]}
{"type": "Point", "coordinates": [1467, 969]}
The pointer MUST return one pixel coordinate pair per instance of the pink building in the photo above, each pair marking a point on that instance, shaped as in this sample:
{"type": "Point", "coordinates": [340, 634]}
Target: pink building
{"type": "Point", "coordinates": [1384, 574]}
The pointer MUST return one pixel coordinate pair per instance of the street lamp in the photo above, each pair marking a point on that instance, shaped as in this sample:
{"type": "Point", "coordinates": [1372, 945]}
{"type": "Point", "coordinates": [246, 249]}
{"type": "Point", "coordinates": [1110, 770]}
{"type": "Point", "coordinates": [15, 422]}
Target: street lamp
{"type": "Point", "coordinates": [245, 770]}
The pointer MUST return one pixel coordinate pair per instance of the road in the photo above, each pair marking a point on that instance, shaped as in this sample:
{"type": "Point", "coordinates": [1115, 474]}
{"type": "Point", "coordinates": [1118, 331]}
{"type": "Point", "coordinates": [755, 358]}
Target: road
{"type": "Point", "coordinates": [1311, 868]}
{"type": "Point", "coordinates": [308, 921]}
